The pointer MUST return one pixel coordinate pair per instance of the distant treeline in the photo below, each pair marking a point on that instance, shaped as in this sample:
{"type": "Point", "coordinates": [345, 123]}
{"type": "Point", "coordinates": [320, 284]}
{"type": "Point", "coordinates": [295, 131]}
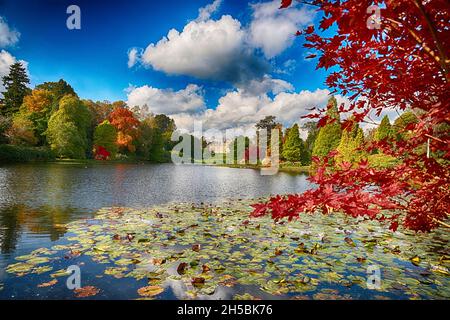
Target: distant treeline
{"type": "Point", "coordinates": [51, 121]}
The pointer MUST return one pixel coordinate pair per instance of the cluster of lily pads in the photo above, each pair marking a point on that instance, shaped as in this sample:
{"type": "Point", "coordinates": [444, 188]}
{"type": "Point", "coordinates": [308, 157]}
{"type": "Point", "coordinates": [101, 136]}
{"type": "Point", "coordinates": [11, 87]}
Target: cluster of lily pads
{"type": "Point", "coordinates": [219, 252]}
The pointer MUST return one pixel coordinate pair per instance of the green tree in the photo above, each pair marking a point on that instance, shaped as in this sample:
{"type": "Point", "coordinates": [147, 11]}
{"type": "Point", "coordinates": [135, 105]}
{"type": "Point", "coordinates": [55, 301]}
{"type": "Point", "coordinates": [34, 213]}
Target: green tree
{"type": "Point", "coordinates": [15, 84]}
{"type": "Point", "coordinates": [58, 89]}
{"type": "Point", "coordinates": [68, 127]}
{"type": "Point", "coordinates": [313, 132]}
{"type": "Point", "coordinates": [351, 140]}
{"type": "Point", "coordinates": [401, 123]}
{"type": "Point", "coordinates": [294, 148]}
{"type": "Point", "coordinates": [329, 135]}
{"type": "Point", "coordinates": [105, 135]}
{"type": "Point", "coordinates": [384, 130]}
{"type": "Point", "coordinates": [146, 138]}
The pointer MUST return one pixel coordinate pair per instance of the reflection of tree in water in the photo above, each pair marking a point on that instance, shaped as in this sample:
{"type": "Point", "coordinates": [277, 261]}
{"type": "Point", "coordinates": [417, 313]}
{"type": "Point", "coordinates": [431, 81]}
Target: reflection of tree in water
{"type": "Point", "coordinates": [19, 219]}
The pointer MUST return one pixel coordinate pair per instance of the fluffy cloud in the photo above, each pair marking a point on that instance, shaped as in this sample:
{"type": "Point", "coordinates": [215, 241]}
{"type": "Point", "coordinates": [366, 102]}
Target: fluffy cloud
{"type": "Point", "coordinates": [206, 49]}
{"type": "Point", "coordinates": [189, 100]}
{"type": "Point", "coordinates": [239, 109]}
{"type": "Point", "coordinates": [8, 36]}
{"type": "Point", "coordinates": [273, 30]}
{"type": "Point", "coordinates": [224, 49]}
{"type": "Point", "coordinates": [6, 60]}
{"type": "Point", "coordinates": [133, 57]}
{"type": "Point", "coordinates": [206, 12]}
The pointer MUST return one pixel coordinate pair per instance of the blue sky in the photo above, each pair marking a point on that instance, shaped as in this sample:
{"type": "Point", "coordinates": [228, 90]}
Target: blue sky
{"type": "Point", "coordinates": [247, 70]}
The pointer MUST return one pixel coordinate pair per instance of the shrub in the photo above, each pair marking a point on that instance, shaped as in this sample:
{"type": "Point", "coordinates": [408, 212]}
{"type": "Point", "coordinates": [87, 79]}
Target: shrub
{"type": "Point", "coordinates": [11, 153]}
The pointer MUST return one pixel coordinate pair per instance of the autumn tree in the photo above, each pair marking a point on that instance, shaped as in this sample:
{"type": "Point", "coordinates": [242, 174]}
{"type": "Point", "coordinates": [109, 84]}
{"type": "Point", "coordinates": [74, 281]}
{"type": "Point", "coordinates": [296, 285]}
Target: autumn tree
{"type": "Point", "coordinates": [37, 107]}
{"type": "Point", "coordinates": [126, 124]}
{"type": "Point", "coordinates": [21, 131]}
{"type": "Point", "coordinates": [16, 86]}
{"type": "Point", "coordinates": [378, 64]}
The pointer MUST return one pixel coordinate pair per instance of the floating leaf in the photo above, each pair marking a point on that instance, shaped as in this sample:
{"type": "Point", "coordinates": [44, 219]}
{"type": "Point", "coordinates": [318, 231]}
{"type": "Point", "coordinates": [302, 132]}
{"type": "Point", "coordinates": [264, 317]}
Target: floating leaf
{"type": "Point", "coordinates": [48, 284]}
{"type": "Point", "coordinates": [87, 291]}
{"type": "Point", "coordinates": [150, 291]}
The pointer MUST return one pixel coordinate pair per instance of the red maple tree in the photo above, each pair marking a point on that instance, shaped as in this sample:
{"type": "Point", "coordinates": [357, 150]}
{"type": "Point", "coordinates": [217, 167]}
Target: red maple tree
{"type": "Point", "coordinates": [396, 60]}
{"type": "Point", "coordinates": [126, 124]}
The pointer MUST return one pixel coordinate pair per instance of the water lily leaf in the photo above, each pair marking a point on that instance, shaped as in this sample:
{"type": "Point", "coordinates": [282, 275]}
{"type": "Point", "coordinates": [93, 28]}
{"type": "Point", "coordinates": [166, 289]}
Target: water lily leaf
{"type": "Point", "coordinates": [198, 281]}
{"type": "Point", "coordinates": [19, 268]}
{"type": "Point", "coordinates": [150, 291]}
{"type": "Point", "coordinates": [415, 260]}
{"type": "Point", "coordinates": [43, 269]}
{"type": "Point", "coordinates": [350, 242]}
{"type": "Point", "coordinates": [87, 291]}
{"type": "Point", "coordinates": [48, 284]}
{"type": "Point", "coordinates": [181, 269]}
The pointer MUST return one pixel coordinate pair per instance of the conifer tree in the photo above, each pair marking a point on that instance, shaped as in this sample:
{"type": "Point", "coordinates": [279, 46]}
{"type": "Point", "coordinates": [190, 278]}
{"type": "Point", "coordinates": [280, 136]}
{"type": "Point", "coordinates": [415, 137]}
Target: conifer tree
{"type": "Point", "coordinates": [384, 130]}
{"type": "Point", "coordinates": [15, 84]}
{"type": "Point", "coordinates": [294, 148]}
{"type": "Point", "coordinates": [329, 135]}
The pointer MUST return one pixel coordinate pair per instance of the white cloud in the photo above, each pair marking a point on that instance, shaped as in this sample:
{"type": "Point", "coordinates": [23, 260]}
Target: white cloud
{"type": "Point", "coordinates": [206, 12]}
{"type": "Point", "coordinates": [6, 60]}
{"type": "Point", "coordinates": [8, 36]}
{"type": "Point", "coordinates": [273, 30]}
{"type": "Point", "coordinates": [133, 57]}
{"type": "Point", "coordinates": [206, 49]}
{"type": "Point", "coordinates": [166, 101]}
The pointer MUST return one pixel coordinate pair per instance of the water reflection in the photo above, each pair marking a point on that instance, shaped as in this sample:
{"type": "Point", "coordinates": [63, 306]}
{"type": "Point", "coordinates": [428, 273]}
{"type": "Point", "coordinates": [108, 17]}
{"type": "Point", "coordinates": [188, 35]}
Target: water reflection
{"type": "Point", "coordinates": [19, 220]}
{"type": "Point", "coordinates": [38, 199]}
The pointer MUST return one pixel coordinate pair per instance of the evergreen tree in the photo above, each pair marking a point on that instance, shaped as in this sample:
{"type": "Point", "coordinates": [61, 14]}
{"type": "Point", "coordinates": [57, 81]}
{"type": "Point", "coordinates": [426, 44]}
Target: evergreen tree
{"type": "Point", "coordinates": [313, 132]}
{"type": "Point", "coordinates": [384, 130]}
{"type": "Point", "coordinates": [329, 135]}
{"type": "Point", "coordinates": [349, 144]}
{"type": "Point", "coordinates": [15, 84]}
{"type": "Point", "coordinates": [294, 147]}
{"type": "Point", "coordinates": [105, 135]}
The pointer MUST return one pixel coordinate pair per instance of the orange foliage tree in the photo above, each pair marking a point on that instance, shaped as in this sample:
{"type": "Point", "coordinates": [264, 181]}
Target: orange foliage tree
{"type": "Point", "coordinates": [127, 127]}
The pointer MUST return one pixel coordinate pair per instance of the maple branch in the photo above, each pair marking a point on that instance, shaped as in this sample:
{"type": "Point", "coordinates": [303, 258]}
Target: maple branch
{"type": "Point", "coordinates": [419, 41]}
{"type": "Point", "coordinates": [440, 222]}
{"type": "Point", "coordinates": [434, 138]}
{"type": "Point", "coordinates": [444, 60]}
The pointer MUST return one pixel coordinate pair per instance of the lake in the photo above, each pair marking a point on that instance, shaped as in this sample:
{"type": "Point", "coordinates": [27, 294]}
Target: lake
{"type": "Point", "coordinates": [183, 232]}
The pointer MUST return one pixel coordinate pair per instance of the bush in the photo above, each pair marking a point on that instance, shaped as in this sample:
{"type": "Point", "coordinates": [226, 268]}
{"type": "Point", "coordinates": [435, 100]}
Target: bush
{"type": "Point", "coordinates": [11, 153]}
{"type": "Point", "coordinates": [381, 160]}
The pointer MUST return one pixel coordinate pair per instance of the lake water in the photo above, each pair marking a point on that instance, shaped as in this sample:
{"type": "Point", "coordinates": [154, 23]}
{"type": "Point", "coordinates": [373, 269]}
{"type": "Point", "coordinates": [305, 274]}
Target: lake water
{"type": "Point", "coordinates": [57, 215]}
{"type": "Point", "coordinates": [37, 200]}
{"type": "Point", "coordinates": [84, 188]}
